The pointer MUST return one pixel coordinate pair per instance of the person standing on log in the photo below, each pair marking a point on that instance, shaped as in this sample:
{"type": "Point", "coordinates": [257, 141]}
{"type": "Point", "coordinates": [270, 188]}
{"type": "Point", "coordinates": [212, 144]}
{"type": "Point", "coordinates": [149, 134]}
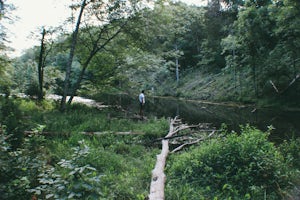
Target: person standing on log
{"type": "Point", "coordinates": [142, 103]}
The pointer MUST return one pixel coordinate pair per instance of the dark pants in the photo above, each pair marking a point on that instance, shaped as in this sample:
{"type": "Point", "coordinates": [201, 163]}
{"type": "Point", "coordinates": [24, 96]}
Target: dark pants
{"type": "Point", "coordinates": [141, 109]}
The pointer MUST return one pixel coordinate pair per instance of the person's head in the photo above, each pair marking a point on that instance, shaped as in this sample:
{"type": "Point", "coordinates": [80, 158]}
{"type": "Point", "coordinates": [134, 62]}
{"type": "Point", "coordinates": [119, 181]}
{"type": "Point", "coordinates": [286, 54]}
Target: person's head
{"type": "Point", "coordinates": [143, 91]}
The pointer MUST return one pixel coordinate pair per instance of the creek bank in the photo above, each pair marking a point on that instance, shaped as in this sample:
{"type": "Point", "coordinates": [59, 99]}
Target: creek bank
{"type": "Point", "coordinates": [230, 104]}
{"type": "Point", "coordinates": [77, 99]}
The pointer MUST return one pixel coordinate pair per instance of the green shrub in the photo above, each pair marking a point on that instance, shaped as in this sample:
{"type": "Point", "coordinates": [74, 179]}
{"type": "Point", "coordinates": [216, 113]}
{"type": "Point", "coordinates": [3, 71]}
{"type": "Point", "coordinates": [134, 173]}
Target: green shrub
{"type": "Point", "coordinates": [291, 152]}
{"type": "Point", "coordinates": [11, 117]}
{"type": "Point", "coordinates": [123, 170]}
{"type": "Point", "coordinates": [19, 168]}
{"type": "Point", "coordinates": [155, 129]}
{"type": "Point", "coordinates": [5, 89]}
{"type": "Point", "coordinates": [235, 167]}
{"type": "Point", "coordinates": [32, 88]}
{"type": "Point", "coordinates": [28, 106]}
{"type": "Point", "coordinates": [70, 178]}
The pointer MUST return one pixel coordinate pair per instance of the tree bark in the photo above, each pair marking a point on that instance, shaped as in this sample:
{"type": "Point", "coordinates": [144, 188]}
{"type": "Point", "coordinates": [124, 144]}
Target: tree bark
{"type": "Point", "coordinates": [158, 180]}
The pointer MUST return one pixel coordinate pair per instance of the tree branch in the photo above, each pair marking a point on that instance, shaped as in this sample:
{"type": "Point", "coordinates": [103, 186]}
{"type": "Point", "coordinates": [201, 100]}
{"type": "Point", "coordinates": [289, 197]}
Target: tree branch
{"type": "Point", "coordinates": [193, 142]}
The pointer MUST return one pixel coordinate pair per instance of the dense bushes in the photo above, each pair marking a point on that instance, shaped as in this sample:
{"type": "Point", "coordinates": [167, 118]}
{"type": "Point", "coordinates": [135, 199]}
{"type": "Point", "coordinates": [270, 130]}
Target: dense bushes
{"type": "Point", "coordinates": [245, 166]}
{"type": "Point", "coordinates": [11, 119]}
{"type": "Point", "coordinates": [19, 167]}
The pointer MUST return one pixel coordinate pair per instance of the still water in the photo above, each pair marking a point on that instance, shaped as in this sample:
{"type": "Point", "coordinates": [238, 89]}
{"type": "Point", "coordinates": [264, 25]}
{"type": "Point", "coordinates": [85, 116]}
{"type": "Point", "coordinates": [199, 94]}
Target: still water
{"type": "Point", "coordinates": [286, 123]}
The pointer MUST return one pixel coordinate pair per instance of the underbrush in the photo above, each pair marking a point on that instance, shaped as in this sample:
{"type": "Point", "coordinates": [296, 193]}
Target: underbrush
{"type": "Point", "coordinates": [235, 166]}
{"type": "Point", "coordinates": [89, 170]}
{"type": "Point", "coordinates": [56, 161]}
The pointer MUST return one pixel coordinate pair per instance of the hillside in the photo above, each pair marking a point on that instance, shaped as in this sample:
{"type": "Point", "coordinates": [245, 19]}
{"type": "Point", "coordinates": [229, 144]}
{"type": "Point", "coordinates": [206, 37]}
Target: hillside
{"type": "Point", "coordinates": [225, 86]}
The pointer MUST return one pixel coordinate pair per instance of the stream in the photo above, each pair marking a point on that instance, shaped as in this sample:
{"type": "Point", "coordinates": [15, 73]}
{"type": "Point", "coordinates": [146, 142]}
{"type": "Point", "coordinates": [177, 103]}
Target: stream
{"type": "Point", "coordinates": [285, 123]}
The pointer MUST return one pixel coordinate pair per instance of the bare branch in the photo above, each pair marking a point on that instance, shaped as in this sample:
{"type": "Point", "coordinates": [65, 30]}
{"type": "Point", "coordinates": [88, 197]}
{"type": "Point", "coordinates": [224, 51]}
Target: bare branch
{"type": "Point", "coordinates": [274, 86]}
{"type": "Point", "coordinates": [193, 142]}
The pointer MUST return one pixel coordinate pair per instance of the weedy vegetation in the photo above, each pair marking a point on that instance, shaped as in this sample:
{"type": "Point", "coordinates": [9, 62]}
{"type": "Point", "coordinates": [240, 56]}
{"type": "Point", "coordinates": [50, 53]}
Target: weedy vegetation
{"type": "Point", "coordinates": [55, 160]}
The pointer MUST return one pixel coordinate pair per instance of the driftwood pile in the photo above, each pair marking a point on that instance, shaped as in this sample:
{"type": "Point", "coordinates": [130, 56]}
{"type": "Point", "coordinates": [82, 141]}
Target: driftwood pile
{"type": "Point", "coordinates": [190, 136]}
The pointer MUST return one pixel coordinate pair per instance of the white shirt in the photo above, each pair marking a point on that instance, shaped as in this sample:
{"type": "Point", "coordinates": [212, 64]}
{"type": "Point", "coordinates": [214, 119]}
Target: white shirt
{"type": "Point", "coordinates": [142, 98]}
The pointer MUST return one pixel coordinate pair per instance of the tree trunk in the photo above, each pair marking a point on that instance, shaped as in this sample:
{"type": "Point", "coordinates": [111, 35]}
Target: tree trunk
{"type": "Point", "coordinates": [1, 9]}
{"type": "Point", "coordinates": [41, 65]}
{"type": "Point", "coordinates": [177, 65]}
{"type": "Point", "coordinates": [70, 59]}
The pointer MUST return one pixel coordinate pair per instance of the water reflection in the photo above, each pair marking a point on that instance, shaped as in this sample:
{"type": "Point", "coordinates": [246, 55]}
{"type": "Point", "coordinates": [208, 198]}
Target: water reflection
{"type": "Point", "coordinates": [286, 123]}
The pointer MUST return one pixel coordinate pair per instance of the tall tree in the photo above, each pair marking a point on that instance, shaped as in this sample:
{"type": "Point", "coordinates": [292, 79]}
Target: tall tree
{"type": "Point", "coordinates": [5, 15]}
{"type": "Point", "coordinates": [45, 48]}
{"type": "Point", "coordinates": [97, 43]}
{"type": "Point", "coordinates": [103, 21]}
{"type": "Point", "coordinates": [284, 59]}
{"type": "Point", "coordinates": [71, 56]}
{"type": "Point", "coordinates": [210, 56]}
{"type": "Point", "coordinates": [41, 64]}
{"type": "Point", "coordinates": [254, 34]}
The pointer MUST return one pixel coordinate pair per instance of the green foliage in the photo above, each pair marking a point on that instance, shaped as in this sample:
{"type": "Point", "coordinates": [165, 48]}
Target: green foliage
{"type": "Point", "coordinates": [5, 90]}
{"type": "Point", "coordinates": [291, 152]}
{"type": "Point", "coordinates": [259, 45]}
{"type": "Point", "coordinates": [224, 54]}
{"type": "Point", "coordinates": [111, 166]}
{"type": "Point", "coordinates": [145, 70]}
{"type": "Point", "coordinates": [237, 51]}
{"type": "Point", "coordinates": [27, 105]}
{"type": "Point", "coordinates": [5, 73]}
{"type": "Point", "coordinates": [104, 166]}
{"type": "Point", "coordinates": [11, 117]}
{"type": "Point", "coordinates": [119, 166]}
{"type": "Point", "coordinates": [235, 167]}
{"type": "Point", "coordinates": [32, 89]}
{"type": "Point", "coordinates": [70, 179]}
{"type": "Point", "coordinates": [18, 168]}
{"type": "Point", "coordinates": [156, 129]}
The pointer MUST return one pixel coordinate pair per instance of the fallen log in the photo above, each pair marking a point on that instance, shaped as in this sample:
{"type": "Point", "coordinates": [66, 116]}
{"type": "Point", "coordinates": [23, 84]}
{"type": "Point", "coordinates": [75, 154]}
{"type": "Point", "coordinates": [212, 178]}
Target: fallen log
{"type": "Point", "coordinates": [84, 133]}
{"type": "Point", "coordinates": [111, 132]}
{"type": "Point", "coordinates": [158, 179]}
{"type": "Point", "coordinates": [27, 133]}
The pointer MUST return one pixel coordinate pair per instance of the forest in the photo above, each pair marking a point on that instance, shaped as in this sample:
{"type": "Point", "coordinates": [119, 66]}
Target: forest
{"type": "Point", "coordinates": [246, 52]}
